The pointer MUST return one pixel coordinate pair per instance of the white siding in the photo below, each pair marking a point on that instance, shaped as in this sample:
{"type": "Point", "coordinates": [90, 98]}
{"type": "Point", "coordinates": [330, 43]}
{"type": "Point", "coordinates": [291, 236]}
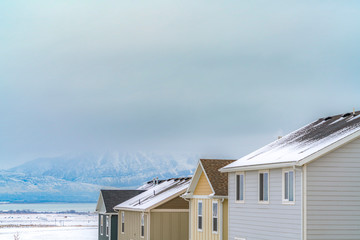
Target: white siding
{"type": "Point", "coordinates": [254, 221]}
{"type": "Point", "coordinates": [333, 199]}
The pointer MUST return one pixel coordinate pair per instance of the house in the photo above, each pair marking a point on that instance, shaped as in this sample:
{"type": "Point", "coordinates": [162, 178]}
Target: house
{"type": "Point", "coordinates": [108, 218]}
{"type": "Point", "coordinates": [208, 195]}
{"type": "Point", "coordinates": [305, 185]}
{"type": "Point", "coordinates": [156, 214]}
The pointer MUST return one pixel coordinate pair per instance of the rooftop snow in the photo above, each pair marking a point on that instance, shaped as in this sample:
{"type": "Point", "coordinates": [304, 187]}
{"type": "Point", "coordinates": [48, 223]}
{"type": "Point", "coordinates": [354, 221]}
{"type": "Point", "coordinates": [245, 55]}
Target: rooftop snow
{"type": "Point", "coordinates": [302, 142]}
{"type": "Point", "coordinates": [156, 194]}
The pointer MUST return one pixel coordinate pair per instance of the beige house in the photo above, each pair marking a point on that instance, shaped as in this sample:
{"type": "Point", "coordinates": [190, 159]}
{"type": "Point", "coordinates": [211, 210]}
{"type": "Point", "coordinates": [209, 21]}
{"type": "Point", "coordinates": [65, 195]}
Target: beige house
{"type": "Point", "coordinates": [208, 195]}
{"type": "Point", "coordinates": [159, 213]}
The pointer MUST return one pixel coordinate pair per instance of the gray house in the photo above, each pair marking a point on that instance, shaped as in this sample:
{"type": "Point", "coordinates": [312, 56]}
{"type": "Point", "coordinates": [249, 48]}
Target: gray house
{"type": "Point", "coordinates": [305, 185]}
{"type": "Point", "coordinates": [108, 218]}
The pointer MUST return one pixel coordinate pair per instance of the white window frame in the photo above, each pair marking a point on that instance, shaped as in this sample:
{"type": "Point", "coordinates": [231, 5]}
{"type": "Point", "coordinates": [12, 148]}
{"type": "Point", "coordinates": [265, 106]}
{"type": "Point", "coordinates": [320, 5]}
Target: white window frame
{"type": "Point", "coordinates": [142, 225]}
{"type": "Point", "coordinates": [101, 224]}
{"type": "Point", "coordinates": [107, 227]}
{"type": "Point", "coordinates": [284, 200]}
{"type": "Point", "coordinates": [268, 187]}
{"type": "Point", "coordinates": [198, 215]}
{"type": "Point", "coordinates": [215, 217]}
{"type": "Point", "coordinates": [122, 222]}
{"type": "Point", "coordinates": [236, 187]}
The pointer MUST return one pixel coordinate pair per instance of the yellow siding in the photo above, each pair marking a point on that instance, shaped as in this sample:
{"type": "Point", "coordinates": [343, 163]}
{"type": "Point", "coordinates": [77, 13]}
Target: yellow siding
{"type": "Point", "coordinates": [206, 233]}
{"type": "Point", "coordinates": [225, 219]}
{"type": "Point", "coordinates": [203, 186]}
{"type": "Point", "coordinates": [132, 226]}
{"type": "Point", "coordinates": [169, 226]}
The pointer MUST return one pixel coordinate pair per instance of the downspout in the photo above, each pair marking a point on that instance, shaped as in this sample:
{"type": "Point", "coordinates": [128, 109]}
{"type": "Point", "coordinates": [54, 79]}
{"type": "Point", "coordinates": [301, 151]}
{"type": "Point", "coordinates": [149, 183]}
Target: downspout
{"type": "Point", "coordinates": [221, 217]}
{"type": "Point", "coordinates": [188, 200]}
{"type": "Point", "coordinates": [148, 228]}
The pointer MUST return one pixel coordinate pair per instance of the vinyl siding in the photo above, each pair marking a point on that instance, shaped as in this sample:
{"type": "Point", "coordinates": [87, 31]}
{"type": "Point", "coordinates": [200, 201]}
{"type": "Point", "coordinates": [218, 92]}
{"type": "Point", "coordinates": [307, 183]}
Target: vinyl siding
{"type": "Point", "coordinates": [169, 226]}
{"type": "Point", "coordinates": [103, 236]}
{"type": "Point", "coordinates": [176, 203]}
{"type": "Point", "coordinates": [206, 233]}
{"type": "Point", "coordinates": [203, 186]}
{"type": "Point", "coordinates": [333, 194]}
{"type": "Point", "coordinates": [114, 227]}
{"type": "Point", "coordinates": [132, 226]}
{"type": "Point", "coordinates": [254, 221]}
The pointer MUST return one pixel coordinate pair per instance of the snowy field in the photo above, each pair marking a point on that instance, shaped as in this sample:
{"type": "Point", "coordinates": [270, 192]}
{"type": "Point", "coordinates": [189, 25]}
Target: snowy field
{"type": "Point", "coordinates": [48, 226]}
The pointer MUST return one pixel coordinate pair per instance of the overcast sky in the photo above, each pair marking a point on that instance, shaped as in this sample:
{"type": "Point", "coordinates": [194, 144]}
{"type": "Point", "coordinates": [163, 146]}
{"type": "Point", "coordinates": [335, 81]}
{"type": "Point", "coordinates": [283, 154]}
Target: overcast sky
{"type": "Point", "coordinates": [217, 78]}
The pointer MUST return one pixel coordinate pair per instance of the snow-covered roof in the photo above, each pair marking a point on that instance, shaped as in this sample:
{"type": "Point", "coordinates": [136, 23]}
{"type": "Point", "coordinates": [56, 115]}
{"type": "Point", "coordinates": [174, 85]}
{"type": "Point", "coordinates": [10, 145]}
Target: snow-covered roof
{"type": "Point", "coordinates": [110, 198]}
{"type": "Point", "coordinates": [156, 195]}
{"type": "Point", "coordinates": [302, 143]}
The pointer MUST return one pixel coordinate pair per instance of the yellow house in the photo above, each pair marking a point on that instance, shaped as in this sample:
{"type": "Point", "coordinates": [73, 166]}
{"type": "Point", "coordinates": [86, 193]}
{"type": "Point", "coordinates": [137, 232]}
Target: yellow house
{"type": "Point", "coordinates": [208, 201]}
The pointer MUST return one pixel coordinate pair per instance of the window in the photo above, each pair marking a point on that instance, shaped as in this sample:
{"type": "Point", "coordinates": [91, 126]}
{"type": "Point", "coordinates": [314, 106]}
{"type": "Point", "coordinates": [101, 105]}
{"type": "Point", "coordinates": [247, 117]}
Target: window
{"type": "Point", "coordinates": [264, 186]}
{"type": "Point", "coordinates": [107, 226]}
{"type": "Point", "coordinates": [215, 217]}
{"type": "Point", "coordinates": [200, 215]}
{"type": "Point", "coordinates": [142, 229]}
{"type": "Point", "coordinates": [102, 225]}
{"type": "Point", "coordinates": [122, 222]}
{"type": "Point", "coordinates": [288, 186]}
{"type": "Point", "coordinates": [240, 184]}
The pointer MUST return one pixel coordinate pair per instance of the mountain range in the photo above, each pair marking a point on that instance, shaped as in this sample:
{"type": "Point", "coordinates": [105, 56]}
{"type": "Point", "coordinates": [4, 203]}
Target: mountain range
{"type": "Point", "coordinates": [78, 178]}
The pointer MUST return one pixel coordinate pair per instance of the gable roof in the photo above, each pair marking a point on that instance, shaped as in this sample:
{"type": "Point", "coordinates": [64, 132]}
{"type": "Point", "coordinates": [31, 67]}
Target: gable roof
{"type": "Point", "coordinates": [113, 197]}
{"type": "Point", "coordinates": [217, 180]}
{"type": "Point", "coordinates": [156, 195]}
{"type": "Point", "coordinates": [304, 144]}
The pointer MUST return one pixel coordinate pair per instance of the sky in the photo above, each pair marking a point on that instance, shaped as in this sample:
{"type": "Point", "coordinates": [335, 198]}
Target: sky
{"type": "Point", "coordinates": [215, 78]}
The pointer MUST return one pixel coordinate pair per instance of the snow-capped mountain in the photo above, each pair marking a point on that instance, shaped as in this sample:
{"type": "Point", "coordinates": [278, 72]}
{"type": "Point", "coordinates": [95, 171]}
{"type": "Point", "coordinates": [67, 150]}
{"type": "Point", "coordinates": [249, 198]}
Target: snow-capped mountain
{"type": "Point", "coordinates": [17, 187]}
{"type": "Point", "coordinates": [77, 175]}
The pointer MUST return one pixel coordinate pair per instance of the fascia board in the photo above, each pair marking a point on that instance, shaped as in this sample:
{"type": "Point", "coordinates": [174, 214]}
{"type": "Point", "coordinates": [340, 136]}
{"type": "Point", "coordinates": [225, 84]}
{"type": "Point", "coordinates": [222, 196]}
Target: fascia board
{"type": "Point", "coordinates": [212, 189]}
{"type": "Point", "coordinates": [260, 167]}
{"type": "Point", "coordinates": [194, 180]}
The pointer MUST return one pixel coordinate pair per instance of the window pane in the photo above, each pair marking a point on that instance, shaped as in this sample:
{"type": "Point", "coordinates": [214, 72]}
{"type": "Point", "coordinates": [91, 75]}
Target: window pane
{"type": "Point", "coordinates": [200, 208]}
{"type": "Point", "coordinates": [215, 224]}
{"type": "Point", "coordinates": [266, 186]}
{"type": "Point", "coordinates": [241, 187]}
{"type": "Point", "coordinates": [142, 231]}
{"type": "Point", "coordinates": [215, 209]}
{"type": "Point", "coordinates": [291, 186]}
{"type": "Point", "coordinates": [237, 187]}
{"type": "Point", "coordinates": [286, 185]}
{"type": "Point", "coordinates": [199, 222]}
{"type": "Point", "coordinates": [261, 187]}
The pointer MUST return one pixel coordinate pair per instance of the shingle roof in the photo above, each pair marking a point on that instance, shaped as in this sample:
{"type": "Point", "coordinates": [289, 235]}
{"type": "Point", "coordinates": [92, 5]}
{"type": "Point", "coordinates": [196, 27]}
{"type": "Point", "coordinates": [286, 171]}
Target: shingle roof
{"type": "Point", "coordinates": [304, 142]}
{"type": "Point", "coordinates": [218, 180]}
{"type": "Point", "coordinates": [113, 197]}
{"type": "Point", "coordinates": [156, 194]}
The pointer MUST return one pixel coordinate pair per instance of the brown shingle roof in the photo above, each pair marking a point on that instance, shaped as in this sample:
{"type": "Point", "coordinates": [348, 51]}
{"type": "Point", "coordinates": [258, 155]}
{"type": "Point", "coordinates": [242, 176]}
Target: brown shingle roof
{"type": "Point", "coordinates": [218, 180]}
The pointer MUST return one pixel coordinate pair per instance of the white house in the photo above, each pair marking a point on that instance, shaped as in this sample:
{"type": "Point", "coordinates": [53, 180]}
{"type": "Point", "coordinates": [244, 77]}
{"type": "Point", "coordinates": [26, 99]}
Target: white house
{"type": "Point", "coordinates": [305, 185]}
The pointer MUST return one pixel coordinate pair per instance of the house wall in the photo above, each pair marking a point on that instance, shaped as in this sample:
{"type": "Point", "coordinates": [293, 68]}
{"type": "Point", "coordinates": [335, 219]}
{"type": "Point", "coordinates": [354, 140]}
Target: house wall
{"type": "Point", "coordinates": [176, 203]}
{"type": "Point", "coordinates": [225, 219]}
{"type": "Point", "coordinates": [206, 232]}
{"type": "Point", "coordinates": [202, 187]}
{"type": "Point", "coordinates": [333, 194]}
{"type": "Point", "coordinates": [169, 226]}
{"type": "Point", "coordinates": [114, 227]}
{"type": "Point", "coordinates": [132, 226]}
{"type": "Point", "coordinates": [253, 221]}
{"type": "Point", "coordinates": [102, 236]}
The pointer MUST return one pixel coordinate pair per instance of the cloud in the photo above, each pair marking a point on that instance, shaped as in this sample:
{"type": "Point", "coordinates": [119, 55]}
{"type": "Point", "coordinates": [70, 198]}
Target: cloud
{"type": "Point", "coordinates": [174, 75]}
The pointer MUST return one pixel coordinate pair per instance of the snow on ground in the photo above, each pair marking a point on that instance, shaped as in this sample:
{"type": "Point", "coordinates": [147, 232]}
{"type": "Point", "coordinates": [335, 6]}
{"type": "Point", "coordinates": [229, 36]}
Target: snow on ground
{"type": "Point", "coordinates": [38, 226]}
